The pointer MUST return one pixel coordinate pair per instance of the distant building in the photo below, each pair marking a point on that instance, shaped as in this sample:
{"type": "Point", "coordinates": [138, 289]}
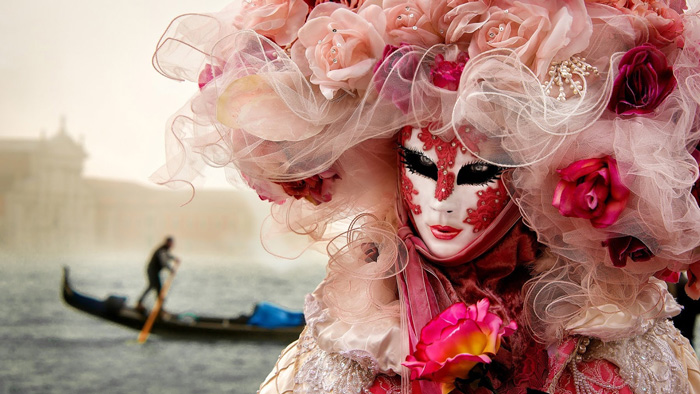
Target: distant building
{"type": "Point", "coordinates": [46, 205]}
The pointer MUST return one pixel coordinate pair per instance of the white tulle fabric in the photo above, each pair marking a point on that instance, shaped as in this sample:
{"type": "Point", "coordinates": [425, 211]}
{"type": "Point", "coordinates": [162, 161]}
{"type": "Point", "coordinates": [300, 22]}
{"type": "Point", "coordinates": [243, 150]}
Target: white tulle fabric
{"type": "Point", "coordinates": [611, 322]}
{"type": "Point", "coordinates": [356, 310]}
{"type": "Point", "coordinates": [354, 329]}
{"type": "Point", "coordinates": [567, 298]}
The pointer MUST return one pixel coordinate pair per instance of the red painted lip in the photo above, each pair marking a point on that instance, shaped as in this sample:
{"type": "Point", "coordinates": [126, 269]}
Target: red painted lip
{"type": "Point", "coordinates": [444, 232]}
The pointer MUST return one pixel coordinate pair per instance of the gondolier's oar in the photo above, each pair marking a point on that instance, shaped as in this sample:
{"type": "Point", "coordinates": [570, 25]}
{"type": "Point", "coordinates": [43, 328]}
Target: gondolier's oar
{"type": "Point", "coordinates": [146, 330]}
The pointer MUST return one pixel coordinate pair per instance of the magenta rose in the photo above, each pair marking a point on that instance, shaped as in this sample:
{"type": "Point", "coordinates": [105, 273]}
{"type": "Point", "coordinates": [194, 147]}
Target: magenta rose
{"type": "Point", "coordinates": [621, 248]}
{"type": "Point", "coordinates": [591, 189]}
{"type": "Point", "coordinates": [446, 74]}
{"type": "Point", "coordinates": [455, 341]}
{"type": "Point", "coordinates": [207, 75]}
{"type": "Point", "coordinates": [645, 79]}
{"type": "Point", "coordinates": [668, 275]}
{"type": "Point", "coordinates": [397, 64]}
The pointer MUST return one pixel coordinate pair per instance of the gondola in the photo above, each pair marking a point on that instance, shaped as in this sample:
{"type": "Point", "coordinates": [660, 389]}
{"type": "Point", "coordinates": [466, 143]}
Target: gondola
{"type": "Point", "coordinates": [266, 323]}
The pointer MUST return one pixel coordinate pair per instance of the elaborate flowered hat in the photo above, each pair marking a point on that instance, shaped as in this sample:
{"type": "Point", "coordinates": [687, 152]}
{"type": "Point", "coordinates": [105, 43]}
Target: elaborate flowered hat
{"type": "Point", "coordinates": [593, 104]}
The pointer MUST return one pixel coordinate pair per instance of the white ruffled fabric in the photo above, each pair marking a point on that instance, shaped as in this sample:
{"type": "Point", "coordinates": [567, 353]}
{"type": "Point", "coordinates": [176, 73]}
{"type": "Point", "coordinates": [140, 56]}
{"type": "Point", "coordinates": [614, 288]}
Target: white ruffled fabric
{"type": "Point", "coordinates": [609, 322]}
{"type": "Point", "coordinates": [567, 298]}
{"type": "Point", "coordinates": [356, 311]}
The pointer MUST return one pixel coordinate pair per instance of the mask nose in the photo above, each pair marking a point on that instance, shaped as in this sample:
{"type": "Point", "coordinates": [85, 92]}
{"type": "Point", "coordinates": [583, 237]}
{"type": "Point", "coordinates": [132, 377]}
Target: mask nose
{"type": "Point", "coordinates": [448, 205]}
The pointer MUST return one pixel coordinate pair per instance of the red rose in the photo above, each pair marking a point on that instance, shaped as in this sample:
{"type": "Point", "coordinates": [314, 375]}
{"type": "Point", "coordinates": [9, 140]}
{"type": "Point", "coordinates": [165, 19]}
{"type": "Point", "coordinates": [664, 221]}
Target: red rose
{"type": "Point", "coordinates": [645, 79]}
{"type": "Point", "coordinates": [446, 74]}
{"type": "Point", "coordinates": [623, 247]}
{"type": "Point", "coordinates": [591, 189]}
{"type": "Point", "coordinates": [316, 189]}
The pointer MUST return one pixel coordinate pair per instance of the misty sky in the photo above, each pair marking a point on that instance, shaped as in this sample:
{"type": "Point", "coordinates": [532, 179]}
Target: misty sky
{"type": "Point", "coordinates": [91, 61]}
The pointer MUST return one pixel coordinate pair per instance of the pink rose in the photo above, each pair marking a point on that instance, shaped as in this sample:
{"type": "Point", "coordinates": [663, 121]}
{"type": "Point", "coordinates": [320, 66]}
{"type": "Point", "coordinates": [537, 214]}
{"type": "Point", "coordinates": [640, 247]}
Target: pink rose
{"type": "Point", "coordinates": [455, 341]}
{"type": "Point", "coordinates": [538, 31]}
{"type": "Point", "coordinates": [678, 5]}
{"type": "Point", "coordinates": [317, 189]}
{"type": "Point", "coordinates": [460, 21]}
{"type": "Point", "coordinates": [621, 248]}
{"type": "Point", "coordinates": [619, 4]}
{"type": "Point", "coordinates": [339, 48]}
{"type": "Point", "coordinates": [278, 20]}
{"type": "Point", "coordinates": [446, 74]}
{"type": "Point", "coordinates": [661, 18]}
{"type": "Point", "coordinates": [407, 21]}
{"type": "Point", "coordinates": [591, 189]}
{"type": "Point", "coordinates": [664, 23]}
{"type": "Point", "coordinates": [352, 4]}
{"type": "Point", "coordinates": [645, 79]}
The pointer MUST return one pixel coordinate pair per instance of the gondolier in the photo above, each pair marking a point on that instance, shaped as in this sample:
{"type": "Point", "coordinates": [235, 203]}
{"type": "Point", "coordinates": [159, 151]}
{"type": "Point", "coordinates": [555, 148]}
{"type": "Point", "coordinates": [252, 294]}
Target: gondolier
{"type": "Point", "coordinates": [160, 260]}
{"type": "Point", "coordinates": [267, 322]}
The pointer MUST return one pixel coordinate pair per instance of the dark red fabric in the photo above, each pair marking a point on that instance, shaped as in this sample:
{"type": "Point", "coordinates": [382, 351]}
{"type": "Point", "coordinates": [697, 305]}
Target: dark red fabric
{"type": "Point", "coordinates": [499, 274]}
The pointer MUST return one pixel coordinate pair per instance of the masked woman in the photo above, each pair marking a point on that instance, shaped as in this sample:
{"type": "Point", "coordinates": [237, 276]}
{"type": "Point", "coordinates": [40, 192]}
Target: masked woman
{"type": "Point", "coordinates": [502, 185]}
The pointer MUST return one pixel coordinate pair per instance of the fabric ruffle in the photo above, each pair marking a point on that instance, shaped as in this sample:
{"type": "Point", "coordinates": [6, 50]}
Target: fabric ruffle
{"type": "Point", "coordinates": [607, 303]}
{"type": "Point", "coordinates": [356, 310]}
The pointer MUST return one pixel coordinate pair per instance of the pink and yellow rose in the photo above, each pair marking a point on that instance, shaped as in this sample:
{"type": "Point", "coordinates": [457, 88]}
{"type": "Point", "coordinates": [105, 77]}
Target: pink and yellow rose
{"type": "Point", "coordinates": [339, 48]}
{"type": "Point", "coordinates": [278, 20]}
{"type": "Point", "coordinates": [591, 189]}
{"type": "Point", "coordinates": [455, 341]}
{"type": "Point", "coordinates": [538, 31]}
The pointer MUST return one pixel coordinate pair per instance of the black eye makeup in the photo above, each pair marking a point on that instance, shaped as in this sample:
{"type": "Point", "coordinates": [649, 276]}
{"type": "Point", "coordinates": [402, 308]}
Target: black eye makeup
{"type": "Point", "coordinates": [418, 163]}
{"type": "Point", "coordinates": [478, 173]}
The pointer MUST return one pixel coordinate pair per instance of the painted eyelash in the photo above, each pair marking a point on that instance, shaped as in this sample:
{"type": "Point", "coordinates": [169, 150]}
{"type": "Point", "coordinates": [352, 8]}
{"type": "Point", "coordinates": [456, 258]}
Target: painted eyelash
{"type": "Point", "coordinates": [413, 162]}
{"type": "Point", "coordinates": [491, 174]}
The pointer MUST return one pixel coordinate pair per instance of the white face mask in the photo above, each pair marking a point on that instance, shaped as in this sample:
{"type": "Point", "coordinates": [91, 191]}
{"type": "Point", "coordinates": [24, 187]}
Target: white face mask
{"type": "Point", "coordinates": [451, 194]}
